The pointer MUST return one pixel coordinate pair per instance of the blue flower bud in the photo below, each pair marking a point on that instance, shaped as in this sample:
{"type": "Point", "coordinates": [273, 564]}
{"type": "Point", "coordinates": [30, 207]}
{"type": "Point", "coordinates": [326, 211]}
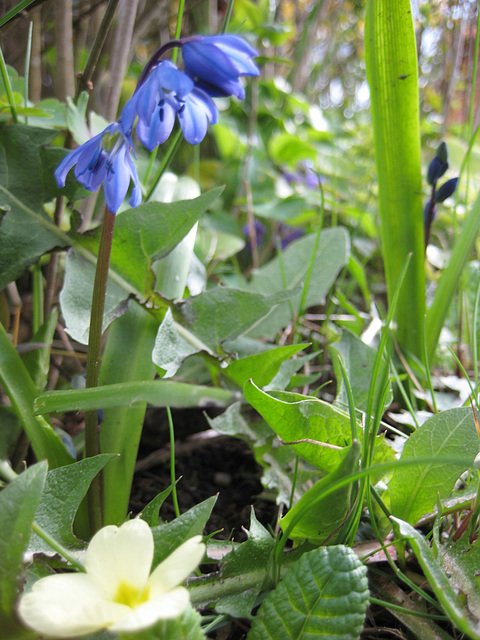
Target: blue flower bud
{"type": "Point", "coordinates": [436, 169]}
{"type": "Point", "coordinates": [446, 190]}
{"type": "Point", "coordinates": [442, 152]}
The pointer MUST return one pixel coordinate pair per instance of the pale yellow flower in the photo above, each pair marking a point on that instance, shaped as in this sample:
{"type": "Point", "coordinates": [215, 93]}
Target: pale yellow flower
{"type": "Point", "coordinates": [117, 592]}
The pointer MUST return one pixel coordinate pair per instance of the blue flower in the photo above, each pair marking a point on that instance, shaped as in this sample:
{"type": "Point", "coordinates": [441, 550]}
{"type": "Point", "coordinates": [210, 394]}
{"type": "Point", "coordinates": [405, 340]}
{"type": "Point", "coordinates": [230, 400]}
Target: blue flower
{"type": "Point", "coordinates": [446, 190]}
{"type": "Point", "coordinates": [164, 94]}
{"type": "Point", "coordinates": [217, 62]}
{"type": "Point", "coordinates": [104, 159]}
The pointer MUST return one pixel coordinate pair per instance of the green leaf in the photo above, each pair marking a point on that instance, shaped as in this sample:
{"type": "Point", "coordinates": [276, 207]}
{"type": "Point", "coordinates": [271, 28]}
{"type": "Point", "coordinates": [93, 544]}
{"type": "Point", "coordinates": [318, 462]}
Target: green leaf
{"type": "Point", "coordinates": [391, 60]}
{"type": "Point", "coordinates": [65, 489]}
{"type": "Point", "coordinates": [26, 231]}
{"type": "Point", "coordinates": [239, 311]}
{"type": "Point", "coordinates": [294, 417]}
{"type": "Point", "coordinates": [130, 340]}
{"type": "Point", "coordinates": [261, 367]}
{"type": "Point", "coordinates": [150, 513]}
{"type": "Point", "coordinates": [142, 236]}
{"type": "Point", "coordinates": [316, 518]}
{"type": "Point", "coordinates": [245, 558]}
{"type": "Point", "coordinates": [76, 297]}
{"type": "Point", "coordinates": [158, 393]}
{"type": "Point", "coordinates": [286, 148]}
{"type": "Point", "coordinates": [460, 561]}
{"type": "Point", "coordinates": [19, 387]}
{"type": "Point", "coordinates": [324, 595]}
{"type": "Point", "coordinates": [168, 537]}
{"type": "Point", "coordinates": [414, 490]}
{"type": "Point", "coordinates": [18, 504]}
{"type": "Point", "coordinates": [10, 430]}
{"type": "Point", "coordinates": [171, 348]}
{"type": "Point", "coordinates": [289, 272]}
{"type": "Point", "coordinates": [148, 233]}
{"type": "Point", "coordinates": [38, 360]}
{"type": "Point", "coordinates": [186, 627]}
{"type": "Point", "coordinates": [438, 580]}
{"type": "Point", "coordinates": [450, 277]}
{"type": "Point", "coordinates": [359, 360]}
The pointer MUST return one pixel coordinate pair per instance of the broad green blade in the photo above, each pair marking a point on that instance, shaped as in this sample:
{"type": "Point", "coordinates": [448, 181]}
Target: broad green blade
{"type": "Point", "coordinates": [391, 59]}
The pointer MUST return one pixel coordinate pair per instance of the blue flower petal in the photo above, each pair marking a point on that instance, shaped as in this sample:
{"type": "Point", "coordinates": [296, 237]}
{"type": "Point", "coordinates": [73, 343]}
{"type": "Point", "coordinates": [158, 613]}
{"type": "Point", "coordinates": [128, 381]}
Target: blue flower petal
{"type": "Point", "coordinates": [117, 181]}
{"type": "Point", "coordinates": [218, 62]}
{"type": "Point", "coordinates": [72, 158]}
{"type": "Point", "coordinates": [198, 112]}
{"type": "Point", "coordinates": [105, 158]}
{"type": "Point", "coordinates": [155, 129]}
{"type": "Point", "coordinates": [136, 197]}
{"type": "Point", "coordinates": [239, 51]}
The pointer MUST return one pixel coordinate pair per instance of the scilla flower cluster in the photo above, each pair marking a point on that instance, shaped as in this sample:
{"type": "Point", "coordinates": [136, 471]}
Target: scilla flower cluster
{"type": "Point", "coordinates": [213, 66]}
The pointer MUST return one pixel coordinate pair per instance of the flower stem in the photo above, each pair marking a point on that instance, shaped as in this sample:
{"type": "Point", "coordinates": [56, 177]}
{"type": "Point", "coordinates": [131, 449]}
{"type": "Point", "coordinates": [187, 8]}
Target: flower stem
{"type": "Point", "coordinates": [178, 28]}
{"type": "Point", "coordinates": [165, 163]}
{"type": "Point", "coordinates": [173, 479]}
{"type": "Point", "coordinates": [59, 548]}
{"type": "Point", "coordinates": [92, 446]}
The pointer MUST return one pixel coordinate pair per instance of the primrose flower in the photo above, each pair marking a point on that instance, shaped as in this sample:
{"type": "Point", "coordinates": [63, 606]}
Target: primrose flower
{"type": "Point", "coordinates": [117, 592]}
{"type": "Point", "coordinates": [104, 159]}
{"type": "Point", "coordinates": [217, 62]}
{"type": "Point", "coordinates": [164, 94]}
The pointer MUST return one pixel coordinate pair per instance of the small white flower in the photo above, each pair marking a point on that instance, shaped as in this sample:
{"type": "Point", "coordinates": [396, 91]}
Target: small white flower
{"type": "Point", "coordinates": [117, 592]}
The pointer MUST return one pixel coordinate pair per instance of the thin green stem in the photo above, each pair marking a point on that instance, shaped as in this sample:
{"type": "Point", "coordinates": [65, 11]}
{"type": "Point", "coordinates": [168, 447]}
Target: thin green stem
{"type": "Point", "coordinates": [92, 446]}
{"type": "Point", "coordinates": [8, 87]}
{"type": "Point", "coordinates": [26, 72]}
{"type": "Point", "coordinates": [173, 479]}
{"type": "Point", "coordinates": [60, 549]}
{"type": "Point", "coordinates": [410, 612]}
{"type": "Point", "coordinates": [15, 11]}
{"type": "Point", "coordinates": [175, 141]}
{"type": "Point", "coordinates": [178, 28]}
{"type": "Point", "coordinates": [308, 275]}
{"type": "Point", "coordinates": [228, 15]}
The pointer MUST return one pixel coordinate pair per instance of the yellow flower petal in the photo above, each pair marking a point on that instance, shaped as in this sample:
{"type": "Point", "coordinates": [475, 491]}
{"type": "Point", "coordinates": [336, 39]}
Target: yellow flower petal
{"type": "Point", "coordinates": [68, 605]}
{"type": "Point", "coordinates": [120, 555]}
{"type": "Point", "coordinates": [170, 605]}
{"type": "Point", "coordinates": [177, 566]}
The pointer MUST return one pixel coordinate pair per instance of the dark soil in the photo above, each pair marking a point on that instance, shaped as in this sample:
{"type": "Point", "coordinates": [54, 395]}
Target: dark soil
{"type": "Point", "coordinates": [209, 464]}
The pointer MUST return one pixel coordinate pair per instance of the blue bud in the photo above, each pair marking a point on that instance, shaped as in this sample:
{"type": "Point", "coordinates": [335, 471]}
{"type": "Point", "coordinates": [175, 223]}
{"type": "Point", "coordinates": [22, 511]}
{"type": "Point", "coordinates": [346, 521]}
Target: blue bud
{"type": "Point", "coordinates": [442, 152]}
{"type": "Point", "coordinates": [436, 169]}
{"type": "Point", "coordinates": [446, 190]}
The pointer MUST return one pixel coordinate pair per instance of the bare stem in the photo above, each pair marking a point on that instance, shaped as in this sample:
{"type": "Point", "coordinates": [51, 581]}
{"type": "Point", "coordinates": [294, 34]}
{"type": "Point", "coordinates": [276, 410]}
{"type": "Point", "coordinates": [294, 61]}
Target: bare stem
{"type": "Point", "coordinates": [92, 446]}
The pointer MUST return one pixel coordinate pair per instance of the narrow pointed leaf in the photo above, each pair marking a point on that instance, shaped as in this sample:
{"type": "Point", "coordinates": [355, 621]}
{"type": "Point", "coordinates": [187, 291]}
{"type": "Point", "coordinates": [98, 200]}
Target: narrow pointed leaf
{"type": "Point", "coordinates": [391, 59]}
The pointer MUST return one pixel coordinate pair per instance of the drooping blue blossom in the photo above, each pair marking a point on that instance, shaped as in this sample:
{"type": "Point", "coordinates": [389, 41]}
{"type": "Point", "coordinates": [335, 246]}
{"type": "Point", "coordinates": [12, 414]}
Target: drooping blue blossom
{"type": "Point", "coordinates": [446, 190]}
{"type": "Point", "coordinates": [216, 63]}
{"type": "Point", "coordinates": [106, 158]}
{"type": "Point", "coordinates": [165, 94]}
